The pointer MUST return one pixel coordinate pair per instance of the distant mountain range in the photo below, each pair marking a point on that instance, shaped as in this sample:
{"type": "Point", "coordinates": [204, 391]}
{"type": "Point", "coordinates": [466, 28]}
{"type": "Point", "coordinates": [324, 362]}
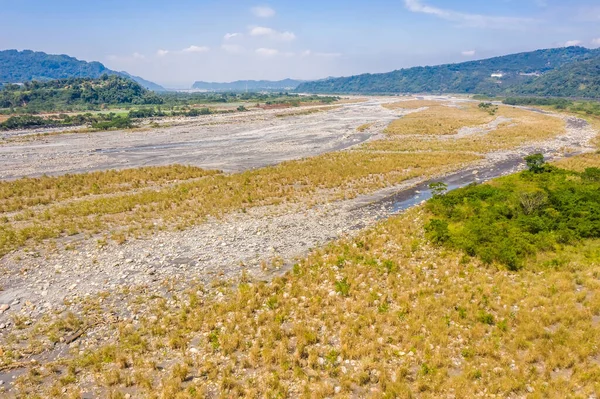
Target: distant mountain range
{"type": "Point", "coordinates": [559, 72]}
{"type": "Point", "coordinates": [250, 85]}
{"type": "Point", "coordinates": [569, 71]}
{"type": "Point", "coordinates": [24, 66]}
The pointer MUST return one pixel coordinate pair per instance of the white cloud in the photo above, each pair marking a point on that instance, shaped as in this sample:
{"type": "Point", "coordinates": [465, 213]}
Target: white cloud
{"type": "Point", "coordinates": [469, 20]}
{"type": "Point", "coordinates": [232, 48]}
{"type": "Point", "coordinates": [162, 53]}
{"type": "Point", "coordinates": [570, 43]}
{"type": "Point", "coordinates": [468, 53]}
{"type": "Point", "coordinates": [229, 36]}
{"type": "Point", "coordinates": [306, 53]}
{"type": "Point", "coordinates": [138, 56]}
{"type": "Point", "coordinates": [195, 49]}
{"type": "Point", "coordinates": [258, 31]}
{"type": "Point", "coordinates": [263, 11]}
{"type": "Point", "coordinates": [596, 42]}
{"type": "Point", "coordinates": [268, 52]}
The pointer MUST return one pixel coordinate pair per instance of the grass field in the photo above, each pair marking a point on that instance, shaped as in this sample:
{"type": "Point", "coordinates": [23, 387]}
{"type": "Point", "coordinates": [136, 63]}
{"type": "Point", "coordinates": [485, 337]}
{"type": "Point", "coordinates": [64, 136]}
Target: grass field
{"type": "Point", "coordinates": [525, 127]}
{"type": "Point", "coordinates": [439, 119]}
{"type": "Point", "coordinates": [124, 208]}
{"type": "Point", "coordinates": [382, 315]}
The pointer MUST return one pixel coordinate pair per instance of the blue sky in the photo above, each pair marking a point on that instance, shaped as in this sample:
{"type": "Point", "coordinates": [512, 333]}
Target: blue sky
{"type": "Point", "coordinates": [180, 41]}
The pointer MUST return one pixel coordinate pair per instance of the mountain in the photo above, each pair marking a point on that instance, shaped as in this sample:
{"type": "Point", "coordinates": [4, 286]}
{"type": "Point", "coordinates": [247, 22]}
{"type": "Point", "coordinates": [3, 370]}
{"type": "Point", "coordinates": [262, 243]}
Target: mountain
{"type": "Point", "coordinates": [25, 66]}
{"type": "Point", "coordinates": [251, 85]}
{"type": "Point", "coordinates": [578, 79]}
{"type": "Point", "coordinates": [490, 76]}
{"type": "Point", "coordinates": [143, 82]}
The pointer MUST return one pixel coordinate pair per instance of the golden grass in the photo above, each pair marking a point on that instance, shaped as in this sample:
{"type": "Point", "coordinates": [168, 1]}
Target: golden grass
{"type": "Point", "coordinates": [307, 111]}
{"type": "Point", "coordinates": [525, 127]}
{"type": "Point", "coordinates": [579, 163]}
{"type": "Point", "coordinates": [27, 192]}
{"type": "Point", "coordinates": [341, 175]}
{"type": "Point", "coordinates": [381, 315]}
{"type": "Point", "coordinates": [364, 127]}
{"type": "Point", "coordinates": [439, 120]}
{"type": "Point", "coordinates": [414, 104]}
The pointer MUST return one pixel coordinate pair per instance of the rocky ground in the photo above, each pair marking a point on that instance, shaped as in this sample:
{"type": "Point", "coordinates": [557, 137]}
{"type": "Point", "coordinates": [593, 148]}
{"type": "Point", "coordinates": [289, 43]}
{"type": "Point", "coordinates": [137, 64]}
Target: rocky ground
{"type": "Point", "coordinates": [230, 142]}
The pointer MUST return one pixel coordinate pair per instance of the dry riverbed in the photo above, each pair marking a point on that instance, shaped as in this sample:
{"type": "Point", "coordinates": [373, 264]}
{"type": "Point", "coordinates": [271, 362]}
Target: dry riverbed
{"type": "Point", "coordinates": [258, 243]}
{"type": "Point", "coordinates": [230, 142]}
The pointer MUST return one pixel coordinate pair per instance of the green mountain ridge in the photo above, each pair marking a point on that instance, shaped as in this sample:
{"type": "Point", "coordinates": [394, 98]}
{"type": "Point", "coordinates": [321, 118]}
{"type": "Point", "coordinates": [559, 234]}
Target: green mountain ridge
{"type": "Point", "coordinates": [514, 74]}
{"type": "Point", "coordinates": [27, 65]}
{"type": "Point", "coordinates": [578, 79]}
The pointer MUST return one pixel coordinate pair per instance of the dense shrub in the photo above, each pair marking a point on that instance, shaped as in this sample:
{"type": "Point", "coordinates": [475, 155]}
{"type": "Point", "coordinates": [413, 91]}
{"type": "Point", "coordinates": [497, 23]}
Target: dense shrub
{"type": "Point", "coordinates": [514, 217]}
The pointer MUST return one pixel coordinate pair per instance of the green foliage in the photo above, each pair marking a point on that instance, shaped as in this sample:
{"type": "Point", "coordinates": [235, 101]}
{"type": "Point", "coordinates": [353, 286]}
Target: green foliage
{"type": "Point", "coordinates": [489, 108]}
{"type": "Point", "coordinates": [535, 163]}
{"type": "Point", "coordinates": [25, 66]}
{"type": "Point", "coordinates": [519, 215]}
{"type": "Point", "coordinates": [96, 121]}
{"type": "Point", "coordinates": [119, 122]}
{"type": "Point", "coordinates": [559, 103]}
{"type": "Point", "coordinates": [343, 287]}
{"type": "Point", "coordinates": [579, 80]}
{"type": "Point", "coordinates": [518, 70]}
{"type": "Point", "coordinates": [438, 188]}
{"type": "Point", "coordinates": [75, 92]}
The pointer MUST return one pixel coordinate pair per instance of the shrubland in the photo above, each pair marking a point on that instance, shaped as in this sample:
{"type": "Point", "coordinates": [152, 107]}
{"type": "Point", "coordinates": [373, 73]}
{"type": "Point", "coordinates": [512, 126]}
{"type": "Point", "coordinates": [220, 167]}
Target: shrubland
{"type": "Point", "coordinates": [515, 217]}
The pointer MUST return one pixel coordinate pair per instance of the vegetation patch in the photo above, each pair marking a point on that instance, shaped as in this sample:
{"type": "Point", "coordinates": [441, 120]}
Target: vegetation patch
{"type": "Point", "coordinates": [525, 127]}
{"type": "Point", "coordinates": [186, 203]}
{"type": "Point", "coordinates": [384, 314]}
{"type": "Point", "coordinates": [439, 120]}
{"type": "Point", "coordinates": [513, 218]}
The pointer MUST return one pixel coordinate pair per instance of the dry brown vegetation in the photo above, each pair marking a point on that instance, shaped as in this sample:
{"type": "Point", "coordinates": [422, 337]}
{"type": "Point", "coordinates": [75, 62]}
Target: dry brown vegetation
{"type": "Point", "coordinates": [189, 202]}
{"type": "Point", "coordinates": [414, 104]}
{"type": "Point", "coordinates": [136, 201]}
{"type": "Point", "coordinates": [440, 119]}
{"type": "Point", "coordinates": [525, 127]}
{"type": "Point", "coordinates": [364, 127]}
{"type": "Point", "coordinates": [381, 315]}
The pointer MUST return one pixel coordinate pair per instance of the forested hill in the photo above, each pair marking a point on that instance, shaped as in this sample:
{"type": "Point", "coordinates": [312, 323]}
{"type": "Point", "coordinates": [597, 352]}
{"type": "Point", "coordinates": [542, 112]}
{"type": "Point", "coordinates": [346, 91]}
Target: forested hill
{"type": "Point", "coordinates": [579, 79]}
{"type": "Point", "coordinates": [489, 76]}
{"type": "Point", "coordinates": [25, 66]}
{"type": "Point", "coordinates": [75, 93]}
{"type": "Point", "coordinates": [252, 85]}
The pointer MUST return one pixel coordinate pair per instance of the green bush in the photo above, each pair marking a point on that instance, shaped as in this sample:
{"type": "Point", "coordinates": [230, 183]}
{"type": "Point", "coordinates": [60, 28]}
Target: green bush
{"type": "Point", "coordinates": [517, 216]}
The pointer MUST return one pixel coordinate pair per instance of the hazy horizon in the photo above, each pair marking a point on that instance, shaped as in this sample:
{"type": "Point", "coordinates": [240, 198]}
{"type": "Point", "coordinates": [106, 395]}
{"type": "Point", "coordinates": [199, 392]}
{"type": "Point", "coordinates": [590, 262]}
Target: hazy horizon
{"type": "Point", "coordinates": [224, 41]}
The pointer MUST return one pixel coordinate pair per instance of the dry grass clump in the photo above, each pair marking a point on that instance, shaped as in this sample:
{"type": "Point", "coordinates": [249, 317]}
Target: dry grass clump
{"type": "Point", "coordinates": [439, 120]}
{"type": "Point", "coordinates": [381, 315]}
{"type": "Point", "coordinates": [27, 192]}
{"type": "Point", "coordinates": [525, 127]}
{"type": "Point", "coordinates": [307, 111]}
{"type": "Point", "coordinates": [414, 104]}
{"type": "Point", "coordinates": [341, 174]}
{"type": "Point", "coordinates": [579, 163]}
{"type": "Point", "coordinates": [364, 127]}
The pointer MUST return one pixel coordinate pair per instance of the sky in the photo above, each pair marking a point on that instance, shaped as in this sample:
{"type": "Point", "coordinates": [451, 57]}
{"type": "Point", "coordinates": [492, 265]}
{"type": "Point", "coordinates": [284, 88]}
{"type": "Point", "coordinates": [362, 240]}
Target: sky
{"type": "Point", "coordinates": [177, 42]}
